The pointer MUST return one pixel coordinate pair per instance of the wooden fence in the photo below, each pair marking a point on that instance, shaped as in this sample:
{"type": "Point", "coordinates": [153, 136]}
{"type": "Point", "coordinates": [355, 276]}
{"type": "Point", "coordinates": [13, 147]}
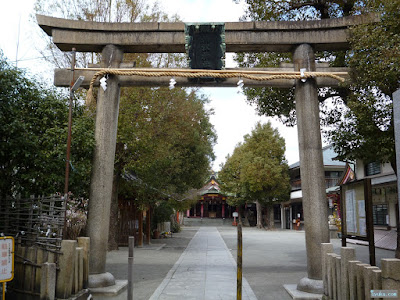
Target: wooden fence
{"type": "Point", "coordinates": [346, 278]}
{"type": "Point", "coordinates": [127, 221]}
{"type": "Point", "coordinates": [33, 221]}
{"type": "Point", "coordinates": [45, 266]}
{"type": "Point", "coordinates": [41, 274]}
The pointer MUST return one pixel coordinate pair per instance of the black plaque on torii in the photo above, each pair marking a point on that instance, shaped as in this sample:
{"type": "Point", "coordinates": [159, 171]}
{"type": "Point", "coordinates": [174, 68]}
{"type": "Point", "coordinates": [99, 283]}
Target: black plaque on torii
{"type": "Point", "coordinates": [205, 47]}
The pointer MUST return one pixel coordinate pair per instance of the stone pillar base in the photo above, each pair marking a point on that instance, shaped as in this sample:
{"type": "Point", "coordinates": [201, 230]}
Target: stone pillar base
{"type": "Point", "coordinates": [118, 291]}
{"type": "Point", "coordinates": [101, 280]}
{"type": "Point", "coordinates": [312, 286]}
{"type": "Point", "coordinates": [295, 294]}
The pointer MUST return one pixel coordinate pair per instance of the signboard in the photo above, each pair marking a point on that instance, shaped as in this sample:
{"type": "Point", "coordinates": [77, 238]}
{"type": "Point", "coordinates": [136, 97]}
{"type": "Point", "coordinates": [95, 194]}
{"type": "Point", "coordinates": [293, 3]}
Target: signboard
{"type": "Point", "coordinates": [351, 211]}
{"type": "Point", "coordinates": [356, 208]}
{"type": "Point", "coordinates": [235, 214]}
{"type": "Point", "coordinates": [6, 258]}
{"type": "Point", "coordinates": [205, 47]}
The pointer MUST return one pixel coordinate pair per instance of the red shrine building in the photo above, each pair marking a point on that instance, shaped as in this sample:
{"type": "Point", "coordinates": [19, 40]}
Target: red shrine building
{"type": "Point", "coordinates": [211, 203]}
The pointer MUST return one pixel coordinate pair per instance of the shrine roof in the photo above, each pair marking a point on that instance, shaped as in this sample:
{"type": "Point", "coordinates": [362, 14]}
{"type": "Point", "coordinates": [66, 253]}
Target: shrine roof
{"type": "Point", "coordinates": [211, 187]}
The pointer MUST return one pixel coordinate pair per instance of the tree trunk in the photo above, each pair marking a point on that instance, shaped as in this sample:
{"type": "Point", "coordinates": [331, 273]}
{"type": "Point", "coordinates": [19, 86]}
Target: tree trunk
{"type": "Point", "coordinates": [270, 217]}
{"type": "Point", "coordinates": [140, 229]}
{"type": "Point", "coordinates": [148, 226]}
{"type": "Point", "coordinates": [240, 214]}
{"type": "Point", "coordinates": [259, 214]}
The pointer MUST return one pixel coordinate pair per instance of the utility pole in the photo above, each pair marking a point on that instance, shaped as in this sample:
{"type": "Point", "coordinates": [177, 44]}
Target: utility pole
{"type": "Point", "coordinates": [74, 85]}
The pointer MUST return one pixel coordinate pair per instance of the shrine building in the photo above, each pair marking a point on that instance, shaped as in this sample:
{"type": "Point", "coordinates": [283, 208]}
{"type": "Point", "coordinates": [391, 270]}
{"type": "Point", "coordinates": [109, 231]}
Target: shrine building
{"type": "Point", "coordinates": [211, 203]}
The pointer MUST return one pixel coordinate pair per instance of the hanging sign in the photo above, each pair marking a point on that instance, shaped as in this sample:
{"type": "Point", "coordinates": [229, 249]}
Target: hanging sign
{"type": "Point", "coordinates": [6, 258]}
{"type": "Point", "coordinates": [205, 47]}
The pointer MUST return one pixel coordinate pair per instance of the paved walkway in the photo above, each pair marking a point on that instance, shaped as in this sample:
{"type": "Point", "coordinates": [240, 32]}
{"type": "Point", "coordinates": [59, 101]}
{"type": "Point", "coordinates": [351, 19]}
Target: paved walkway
{"type": "Point", "coordinates": [205, 270]}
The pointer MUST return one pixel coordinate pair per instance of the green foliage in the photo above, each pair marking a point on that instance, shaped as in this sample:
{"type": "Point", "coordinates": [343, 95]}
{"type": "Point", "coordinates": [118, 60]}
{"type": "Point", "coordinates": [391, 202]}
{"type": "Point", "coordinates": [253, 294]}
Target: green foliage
{"type": "Point", "coordinates": [162, 213]}
{"type": "Point", "coordinates": [257, 169]}
{"type": "Point", "coordinates": [364, 128]}
{"type": "Point", "coordinates": [175, 227]}
{"type": "Point", "coordinates": [279, 102]}
{"type": "Point", "coordinates": [33, 131]}
{"type": "Point", "coordinates": [103, 11]}
{"type": "Point", "coordinates": [167, 138]}
{"type": "Point", "coordinates": [366, 132]}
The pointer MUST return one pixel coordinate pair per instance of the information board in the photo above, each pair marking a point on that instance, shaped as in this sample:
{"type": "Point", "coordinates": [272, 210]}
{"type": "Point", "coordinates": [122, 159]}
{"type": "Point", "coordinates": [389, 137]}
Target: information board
{"type": "Point", "coordinates": [354, 209]}
{"type": "Point", "coordinates": [351, 215]}
{"type": "Point", "coordinates": [6, 258]}
{"type": "Point", "coordinates": [356, 214]}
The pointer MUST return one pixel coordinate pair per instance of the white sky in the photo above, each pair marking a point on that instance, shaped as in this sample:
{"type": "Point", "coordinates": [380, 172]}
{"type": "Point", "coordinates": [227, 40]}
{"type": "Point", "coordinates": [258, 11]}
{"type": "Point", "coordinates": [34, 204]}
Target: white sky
{"type": "Point", "coordinates": [233, 117]}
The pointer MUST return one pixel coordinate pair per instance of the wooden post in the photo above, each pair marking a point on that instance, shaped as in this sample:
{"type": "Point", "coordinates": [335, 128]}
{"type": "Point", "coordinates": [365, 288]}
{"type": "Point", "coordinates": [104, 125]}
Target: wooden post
{"type": "Point", "coordinates": [370, 221]}
{"type": "Point", "coordinates": [239, 263]}
{"type": "Point", "coordinates": [130, 267]}
{"type": "Point", "coordinates": [140, 234]}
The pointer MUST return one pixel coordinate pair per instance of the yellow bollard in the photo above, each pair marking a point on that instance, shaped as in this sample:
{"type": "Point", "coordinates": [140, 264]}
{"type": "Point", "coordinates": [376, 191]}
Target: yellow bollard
{"type": "Point", "coordinates": [239, 263]}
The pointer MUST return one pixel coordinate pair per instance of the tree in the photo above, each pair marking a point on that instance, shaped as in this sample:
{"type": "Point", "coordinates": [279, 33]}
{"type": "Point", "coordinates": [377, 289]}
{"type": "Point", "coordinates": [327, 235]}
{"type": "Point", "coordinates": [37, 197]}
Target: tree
{"type": "Point", "coordinates": [165, 138]}
{"type": "Point", "coordinates": [366, 131]}
{"type": "Point", "coordinates": [279, 102]}
{"type": "Point", "coordinates": [33, 131]}
{"type": "Point", "coordinates": [257, 171]}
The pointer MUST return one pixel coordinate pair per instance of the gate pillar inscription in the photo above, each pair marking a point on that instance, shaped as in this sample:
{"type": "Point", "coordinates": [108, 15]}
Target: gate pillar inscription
{"type": "Point", "coordinates": [103, 170]}
{"type": "Point", "coordinates": [311, 169]}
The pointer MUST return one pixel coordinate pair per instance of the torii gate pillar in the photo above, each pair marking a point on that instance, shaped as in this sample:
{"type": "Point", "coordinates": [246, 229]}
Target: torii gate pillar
{"type": "Point", "coordinates": [103, 170]}
{"type": "Point", "coordinates": [311, 170]}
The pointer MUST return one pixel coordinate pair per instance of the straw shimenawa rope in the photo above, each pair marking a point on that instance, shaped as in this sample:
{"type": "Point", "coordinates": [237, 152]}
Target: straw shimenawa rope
{"type": "Point", "coordinates": [197, 73]}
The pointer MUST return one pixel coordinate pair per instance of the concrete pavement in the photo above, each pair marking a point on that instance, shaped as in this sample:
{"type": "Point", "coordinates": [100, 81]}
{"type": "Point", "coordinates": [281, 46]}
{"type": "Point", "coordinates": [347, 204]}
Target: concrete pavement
{"type": "Point", "coordinates": [270, 260]}
{"type": "Point", "coordinates": [205, 270]}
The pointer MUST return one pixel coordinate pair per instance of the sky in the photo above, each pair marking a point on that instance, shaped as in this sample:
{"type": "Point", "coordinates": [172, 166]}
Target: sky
{"type": "Point", "coordinates": [233, 117]}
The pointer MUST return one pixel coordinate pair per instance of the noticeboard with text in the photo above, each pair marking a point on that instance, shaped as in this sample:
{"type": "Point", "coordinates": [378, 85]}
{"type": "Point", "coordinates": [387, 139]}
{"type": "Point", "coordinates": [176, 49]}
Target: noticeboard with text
{"type": "Point", "coordinates": [354, 209]}
{"type": "Point", "coordinates": [6, 258]}
{"type": "Point", "coordinates": [356, 213]}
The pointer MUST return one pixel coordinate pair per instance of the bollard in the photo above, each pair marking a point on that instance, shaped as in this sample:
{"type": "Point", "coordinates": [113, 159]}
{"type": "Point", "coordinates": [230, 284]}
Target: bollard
{"type": "Point", "coordinates": [65, 276]}
{"type": "Point", "coordinates": [325, 249]}
{"type": "Point", "coordinates": [347, 254]}
{"type": "Point", "coordinates": [239, 263]}
{"type": "Point", "coordinates": [48, 281]}
{"type": "Point", "coordinates": [130, 267]}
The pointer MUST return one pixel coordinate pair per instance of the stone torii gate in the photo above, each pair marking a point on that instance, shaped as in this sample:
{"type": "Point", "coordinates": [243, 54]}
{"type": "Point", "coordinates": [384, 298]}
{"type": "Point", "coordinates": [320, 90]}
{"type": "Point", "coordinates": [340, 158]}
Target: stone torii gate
{"type": "Point", "coordinates": [301, 38]}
